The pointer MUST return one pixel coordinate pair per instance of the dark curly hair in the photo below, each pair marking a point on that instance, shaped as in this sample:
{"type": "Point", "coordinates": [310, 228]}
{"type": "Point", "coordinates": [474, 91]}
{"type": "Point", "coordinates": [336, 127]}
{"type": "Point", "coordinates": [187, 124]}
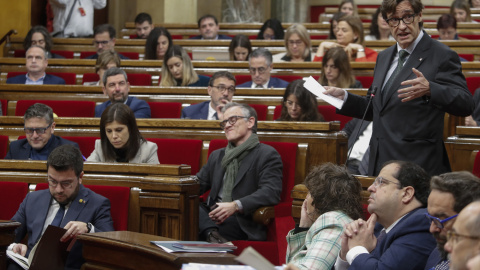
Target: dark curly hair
{"type": "Point", "coordinates": [306, 100]}
{"type": "Point", "coordinates": [334, 189]}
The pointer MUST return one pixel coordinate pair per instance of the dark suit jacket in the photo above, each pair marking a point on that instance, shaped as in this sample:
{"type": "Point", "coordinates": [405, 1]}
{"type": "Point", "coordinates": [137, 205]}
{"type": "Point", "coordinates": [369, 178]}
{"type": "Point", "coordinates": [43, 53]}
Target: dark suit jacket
{"type": "Point", "coordinates": [219, 37]}
{"type": "Point", "coordinates": [196, 111]}
{"type": "Point", "coordinates": [95, 56]}
{"type": "Point", "coordinates": [274, 82]}
{"type": "Point", "coordinates": [139, 107]}
{"type": "Point", "coordinates": [352, 127]}
{"type": "Point", "coordinates": [476, 112]}
{"type": "Point", "coordinates": [34, 209]}
{"type": "Point", "coordinates": [406, 246]}
{"type": "Point", "coordinates": [20, 149]}
{"type": "Point", "coordinates": [413, 130]}
{"type": "Point", "coordinates": [49, 79]}
{"type": "Point", "coordinates": [258, 183]}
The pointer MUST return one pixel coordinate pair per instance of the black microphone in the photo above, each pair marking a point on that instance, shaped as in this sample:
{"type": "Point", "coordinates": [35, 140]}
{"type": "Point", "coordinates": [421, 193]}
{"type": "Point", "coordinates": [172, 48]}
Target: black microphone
{"type": "Point", "coordinates": [372, 94]}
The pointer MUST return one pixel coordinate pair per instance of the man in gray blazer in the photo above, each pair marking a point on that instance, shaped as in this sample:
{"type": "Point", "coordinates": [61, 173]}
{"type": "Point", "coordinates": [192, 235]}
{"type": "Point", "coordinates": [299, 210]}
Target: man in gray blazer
{"type": "Point", "coordinates": [418, 79]}
{"type": "Point", "coordinates": [242, 177]}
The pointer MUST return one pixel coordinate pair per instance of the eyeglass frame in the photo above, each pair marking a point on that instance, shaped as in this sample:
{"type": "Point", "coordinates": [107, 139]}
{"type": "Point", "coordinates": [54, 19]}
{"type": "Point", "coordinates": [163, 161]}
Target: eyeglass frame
{"type": "Point", "coordinates": [452, 234]}
{"type": "Point", "coordinates": [63, 184]}
{"type": "Point", "coordinates": [33, 130]}
{"type": "Point", "coordinates": [439, 222]}
{"type": "Point", "coordinates": [381, 180]}
{"type": "Point", "coordinates": [295, 42]}
{"type": "Point", "coordinates": [401, 19]}
{"type": "Point", "coordinates": [221, 88]}
{"type": "Point", "coordinates": [231, 120]}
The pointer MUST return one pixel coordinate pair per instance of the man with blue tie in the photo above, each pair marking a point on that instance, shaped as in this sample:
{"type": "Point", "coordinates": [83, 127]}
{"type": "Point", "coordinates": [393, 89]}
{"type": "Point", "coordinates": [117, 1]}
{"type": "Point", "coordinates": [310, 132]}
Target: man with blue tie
{"type": "Point", "coordinates": [67, 203]}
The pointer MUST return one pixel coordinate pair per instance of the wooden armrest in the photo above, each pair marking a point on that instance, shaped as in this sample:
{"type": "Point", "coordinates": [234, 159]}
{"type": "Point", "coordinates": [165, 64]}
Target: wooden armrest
{"type": "Point", "coordinates": [264, 215]}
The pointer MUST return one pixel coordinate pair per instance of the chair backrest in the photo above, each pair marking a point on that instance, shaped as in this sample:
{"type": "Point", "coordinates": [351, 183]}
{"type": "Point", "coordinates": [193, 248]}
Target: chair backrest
{"type": "Point", "coordinates": [119, 198]}
{"type": "Point", "coordinates": [3, 146]}
{"type": "Point", "coordinates": [262, 111]}
{"type": "Point", "coordinates": [63, 108]}
{"type": "Point", "coordinates": [288, 78]}
{"type": "Point", "coordinates": [277, 112]}
{"type": "Point", "coordinates": [86, 54]}
{"type": "Point", "coordinates": [473, 83]}
{"type": "Point", "coordinates": [66, 54]}
{"type": "Point", "coordinates": [179, 151]}
{"type": "Point", "coordinates": [11, 196]}
{"type": "Point", "coordinates": [216, 144]}
{"type": "Point", "coordinates": [242, 79]}
{"type": "Point", "coordinates": [365, 80]}
{"type": "Point", "coordinates": [329, 114]}
{"type": "Point", "coordinates": [131, 55]}
{"type": "Point", "coordinates": [467, 56]}
{"type": "Point", "coordinates": [4, 103]}
{"type": "Point", "coordinates": [165, 109]}
{"type": "Point", "coordinates": [476, 165]}
{"type": "Point", "coordinates": [86, 144]}
{"type": "Point", "coordinates": [90, 77]}
{"type": "Point", "coordinates": [69, 77]}
{"type": "Point", "coordinates": [140, 79]}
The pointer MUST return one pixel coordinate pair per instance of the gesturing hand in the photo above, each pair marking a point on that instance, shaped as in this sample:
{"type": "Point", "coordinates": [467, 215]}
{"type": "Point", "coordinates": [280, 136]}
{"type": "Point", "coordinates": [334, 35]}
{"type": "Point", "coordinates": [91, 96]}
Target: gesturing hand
{"type": "Point", "coordinates": [419, 87]}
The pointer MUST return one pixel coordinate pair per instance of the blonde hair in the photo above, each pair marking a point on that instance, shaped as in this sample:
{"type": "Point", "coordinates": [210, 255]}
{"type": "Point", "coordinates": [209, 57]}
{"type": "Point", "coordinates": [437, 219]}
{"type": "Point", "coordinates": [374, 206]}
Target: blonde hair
{"type": "Point", "coordinates": [302, 33]}
{"type": "Point", "coordinates": [189, 75]}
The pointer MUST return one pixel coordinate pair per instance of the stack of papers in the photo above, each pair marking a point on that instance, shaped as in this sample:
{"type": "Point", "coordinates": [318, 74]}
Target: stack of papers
{"type": "Point", "coordinates": [192, 246]}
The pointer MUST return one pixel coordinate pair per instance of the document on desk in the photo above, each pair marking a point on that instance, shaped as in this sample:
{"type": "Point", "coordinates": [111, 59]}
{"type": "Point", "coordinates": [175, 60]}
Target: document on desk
{"type": "Point", "coordinates": [204, 247]}
{"type": "Point", "coordinates": [204, 266]}
{"type": "Point", "coordinates": [317, 89]}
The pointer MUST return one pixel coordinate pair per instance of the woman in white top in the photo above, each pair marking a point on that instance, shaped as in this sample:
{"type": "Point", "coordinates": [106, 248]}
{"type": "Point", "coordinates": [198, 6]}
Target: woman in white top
{"type": "Point", "coordinates": [120, 139]}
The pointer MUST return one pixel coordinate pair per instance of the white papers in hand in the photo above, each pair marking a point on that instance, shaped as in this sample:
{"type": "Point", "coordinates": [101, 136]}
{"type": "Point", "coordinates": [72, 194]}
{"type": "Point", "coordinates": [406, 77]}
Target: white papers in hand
{"type": "Point", "coordinates": [317, 89]}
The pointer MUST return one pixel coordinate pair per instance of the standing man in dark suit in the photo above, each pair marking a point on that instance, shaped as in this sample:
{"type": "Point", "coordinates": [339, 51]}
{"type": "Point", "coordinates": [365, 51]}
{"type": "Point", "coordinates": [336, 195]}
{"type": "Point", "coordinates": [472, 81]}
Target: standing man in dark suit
{"type": "Point", "coordinates": [221, 89]}
{"type": "Point", "coordinates": [396, 236]}
{"type": "Point", "coordinates": [208, 27]}
{"type": "Point", "coordinates": [357, 162]}
{"type": "Point", "coordinates": [36, 64]}
{"type": "Point", "coordinates": [67, 204]}
{"type": "Point", "coordinates": [40, 141]}
{"type": "Point", "coordinates": [241, 178]}
{"type": "Point", "coordinates": [116, 87]}
{"type": "Point", "coordinates": [104, 38]}
{"type": "Point", "coordinates": [418, 80]}
{"type": "Point", "coordinates": [260, 67]}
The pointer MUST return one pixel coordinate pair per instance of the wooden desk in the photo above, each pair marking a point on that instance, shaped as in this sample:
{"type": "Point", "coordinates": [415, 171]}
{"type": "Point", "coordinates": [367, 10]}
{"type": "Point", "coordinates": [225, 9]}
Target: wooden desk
{"type": "Point", "coordinates": [131, 250]}
{"type": "Point", "coordinates": [7, 235]}
{"type": "Point", "coordinates": [460, 146]}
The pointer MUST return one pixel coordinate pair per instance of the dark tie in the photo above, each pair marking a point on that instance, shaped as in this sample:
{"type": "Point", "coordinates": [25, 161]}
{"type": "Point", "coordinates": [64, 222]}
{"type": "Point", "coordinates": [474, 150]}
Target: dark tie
{"type": "Point", "coordinates": [215, 116]}
{"type": "Point", "coordinates": [381, 236]}
{"type": "Point", "coordinates": [59, 216]}
{"type": "Point", "coordinates": [402, 55]}
{"type": "Point", "coordinates": [259, 86]}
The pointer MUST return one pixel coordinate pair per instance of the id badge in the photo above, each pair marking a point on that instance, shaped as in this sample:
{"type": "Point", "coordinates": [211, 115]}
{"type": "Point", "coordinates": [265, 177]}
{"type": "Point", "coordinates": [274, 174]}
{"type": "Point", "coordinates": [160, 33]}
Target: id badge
{"type": "Point", "coordinates": [82, 11]}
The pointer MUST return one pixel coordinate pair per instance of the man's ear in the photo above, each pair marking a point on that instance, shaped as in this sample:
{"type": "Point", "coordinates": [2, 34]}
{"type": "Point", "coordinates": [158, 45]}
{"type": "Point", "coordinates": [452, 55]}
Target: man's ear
{"type": "Point", "coordinates": [113, 41]}
{"type": "Point", "coordinates": [80, 177]}
{"type": "Point", "coordinates": [408, 195]}
{"type": "Point", "coordinates": [209, 90]}
{"type": "Point", "coordinates": [251, 122]}
{"type": "Point", "coordinates": [53, 127]}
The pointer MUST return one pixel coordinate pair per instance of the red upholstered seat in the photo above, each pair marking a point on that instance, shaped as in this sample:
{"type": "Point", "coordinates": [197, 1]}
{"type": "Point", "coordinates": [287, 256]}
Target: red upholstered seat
{"type": "Point", "coordinates": [86, 144]}
{"type": "Point", "coordinates": [140, 79]}
{"type": "Point", "coordinates": [19, 53]}
{"type": "Point", "coordinates": [242, 79]}
{"type": "Point", "coordinates": [467, 56]}
{"type": "Point", "coordinates": [365, 80]}
{"type": "Point", "coordinates": [179, 151]}
{"type": "Point", "coordinates": [476, 165]}
{"type": "Point", "coordinates": [165, 109]}
{"type": "Point", "coordinates": [90, 77]}
{"type": "Point", "coordinates": [274, 249]}
{"type": "Point", "coordinates": [119, 201]}
{"type": "Point", "coordinates": [277, 112]}
{"type": "Point", "coordinates": [470, 36]}
{"type": "Point", "coordinates": [473, 83]}
{"type": "Point", "coordinates": [262, 111]}
{"type": "Point", "coordinates": [329, 114]}
{"type": "Point", "coordinates": [70, 78]}
{"type": "Point", "coordinates": [4, 103]}
{"type": "Point", "coordinates": [3, 146]}
{"type": "Point", "coordinates": [317, 37]}
{"type": "Point", "coordinates": [11, 196]}
{"type": "Point", "coordinates": [86, 54]}
{"type": "Point", "coordinates": [288, 78]}
{"type": "Point", "coordinates": [177, 37]}
{"type": "Point", "coordinates": [63, 108]}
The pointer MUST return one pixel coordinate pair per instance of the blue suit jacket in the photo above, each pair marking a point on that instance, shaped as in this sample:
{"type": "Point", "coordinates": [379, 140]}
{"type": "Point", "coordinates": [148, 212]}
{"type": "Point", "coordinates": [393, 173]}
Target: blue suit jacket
{"type": "Point", "coordinates": [139, 107]}
{"type": "Point", "coordinates": [406, 246]}
{"type": "Point", "coordinates": [21, 149]}
{"type": "Point", "coordinates": [95, 56]}
{"type": "Point", "coordinates": [196, 111]}
{"type": "Point", "coordinates": [34, 209]}
{"type": "Point", "coordinates": [49, 79]}
{"type": "Point", "coordinates": [274, 82]}
{"type": "Point", "coordinates": [219, 37]}
{"type": "Point", "coordinates": [202, 81]}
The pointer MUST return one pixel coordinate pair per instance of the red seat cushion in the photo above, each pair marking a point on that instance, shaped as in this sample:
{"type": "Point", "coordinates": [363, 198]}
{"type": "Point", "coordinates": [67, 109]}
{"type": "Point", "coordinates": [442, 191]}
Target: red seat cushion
{"type": "Point", "coordinates": [4, 103]}
{"type": "Point", "coordinates": [11, 196]}
{"type": "Point", "coordinates": [63, 108]}
{"type": "Point", "coordinates": [66, 54]}
{"type": "Point", "coordinates": [179, 151]}
{"type": "Point", "coordinates": [90, 77]}
{"type": "Point", "coordinates": [329, 114]}
{"type": "Point", "coordinates": [365, 80]}
{"type": "Point", "coordinates": [140, 79]}
{"type": "Point", "coordinates": [86, 144]}
{"type": "Point", "coordinates": [3, 146]}
{"type": "Point", "coordinates": [262, 111]}
{"type": "Point", "coordinates": [86, 54]}
{"type": "Point", "coordinates": [476, 165]}
{"type": "Point", "coordinates": [473, 83]}
{"type": "Point", "coordinates": [242, 79]}
{"type": "Point", "coordinates": [165, 109]}
{"type": "Point", "coordinates": [467, 56]}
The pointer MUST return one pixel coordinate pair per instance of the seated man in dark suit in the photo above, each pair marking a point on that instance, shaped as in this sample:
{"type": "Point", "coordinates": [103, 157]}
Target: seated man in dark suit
{"type": "Point", "coordinates": [260, 66]}
{"type": "Point", "coordinates": [36, 64]}
{"type": "Point", "coordinates": [39, 141]}
{"type": "Point", "coordinates": [401, 238]}
{"type": "Point", "coordinates": [116, 87]}
{"type": "Point", "coordinates": [67, 204]}
{"type": "Point", "coordinates": [208, 27]}
{"type": "Point", "coordinates": [242, 177]}
{"type": "Point", "coordinates": [103, 40]}
{"type": "Point", "coordinates": [221, 88]}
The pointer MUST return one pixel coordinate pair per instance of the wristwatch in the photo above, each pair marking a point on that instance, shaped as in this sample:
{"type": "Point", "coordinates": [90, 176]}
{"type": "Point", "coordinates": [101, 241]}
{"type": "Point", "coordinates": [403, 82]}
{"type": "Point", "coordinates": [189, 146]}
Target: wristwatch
{"type": "Point", "coordinates": [361, 50]}
{"type": "Point", "coordinates": [89, 227]}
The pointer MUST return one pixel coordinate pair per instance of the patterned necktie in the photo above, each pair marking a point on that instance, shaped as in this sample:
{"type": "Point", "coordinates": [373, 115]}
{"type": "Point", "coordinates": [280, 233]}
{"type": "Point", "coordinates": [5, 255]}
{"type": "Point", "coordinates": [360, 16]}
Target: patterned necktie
{"type": "Point", "coordinates": [402, 55]}
{"type": "Point", "coordinates": [59, 216]}
{"type": "Point", "coordinates": [381, 236]}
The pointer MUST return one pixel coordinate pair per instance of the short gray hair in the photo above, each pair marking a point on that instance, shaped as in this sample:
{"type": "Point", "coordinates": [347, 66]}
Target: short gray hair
{"type": "Point", "coordinates": [112, 72]}
{"type": "Point", "coordinates": [262, 52]}
{"type": "Point", "coordinates": [36, 46]}
{"type": "Point", "coordinates": [39, 110]}
{"type": "Point", "coordinates": [246, 110]}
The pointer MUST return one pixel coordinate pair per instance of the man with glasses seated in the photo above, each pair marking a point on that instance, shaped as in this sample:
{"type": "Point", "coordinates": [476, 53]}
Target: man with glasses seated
{"type": "Point", "coordinates": [104, 40]}
{"type": "Point", "coordinates": [241, 177]}
{"type": "Point", "coordinates": [66, 204]}
{"type": "Point", "coordinates": [260, 66]}
{"type": "Point", "coordinates": [396, 236]}
{"type": "Point", "coordinates": [40, 141]}
{"type": "Point", "coordinates": [463, 240]}
{"type": "Point", "coordinates": [450, 193]}
{"type": "Point", "coordinates": [221, 89]}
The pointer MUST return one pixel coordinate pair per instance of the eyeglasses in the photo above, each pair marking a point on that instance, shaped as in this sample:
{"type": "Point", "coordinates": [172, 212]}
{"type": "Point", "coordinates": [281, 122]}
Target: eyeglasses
{"type": "Point", "coordinates": [221, 88]}
{"type": "Point", "coordinates": [104, 42]}
{"type": "Point", "coordinates": [260, 70]}
{"type": "Point", "coordinates": [380, 181]}
{"type": "Point", "coordinates": [39, 131]}
{"type": "Point", "coordinates": [64, 184]}
{"type": "Point", "coordinates": [295, 42]}
{"type": "Point", "coordinates": [232, 120]}
{"type": "Point", "coordinates": [439, 222]}
{"type": "Point", "coordinates": [451, 235]}
{"type": "Point", "coordinates": [407, 19]}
